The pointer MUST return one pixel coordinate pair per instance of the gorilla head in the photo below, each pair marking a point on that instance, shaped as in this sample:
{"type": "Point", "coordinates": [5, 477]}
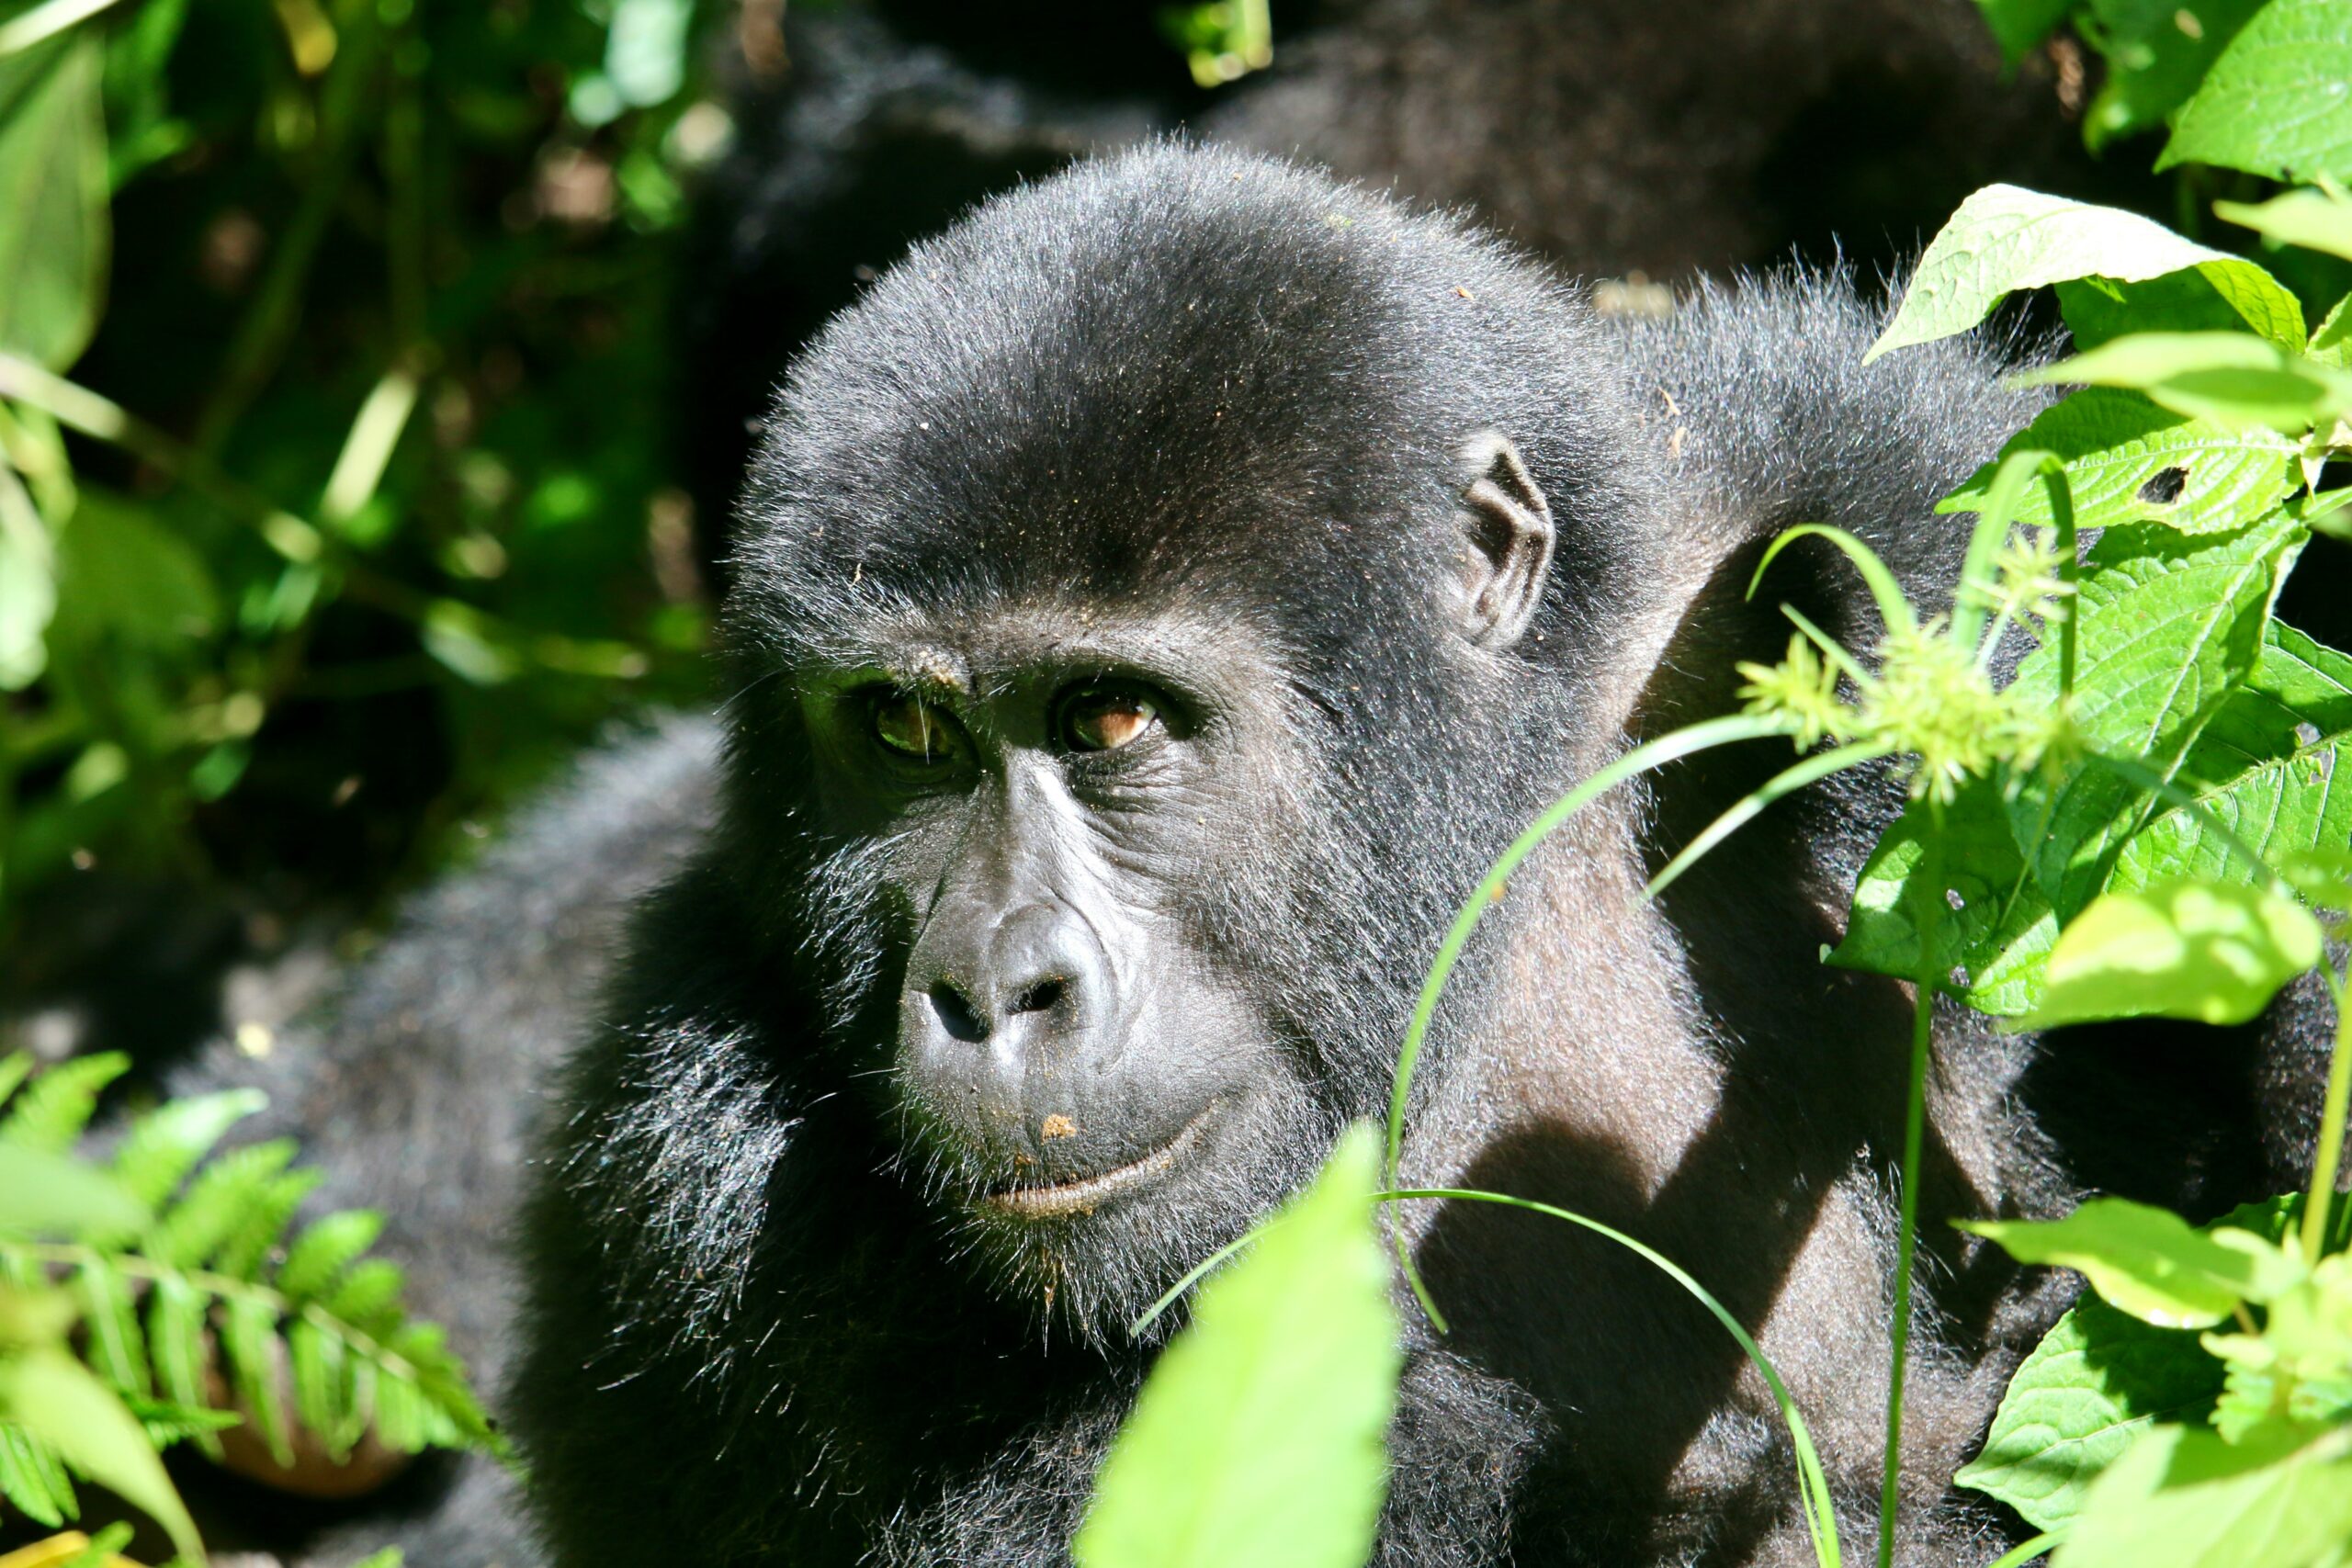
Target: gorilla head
{"type": "Point", "coordinates": [1132, 584]}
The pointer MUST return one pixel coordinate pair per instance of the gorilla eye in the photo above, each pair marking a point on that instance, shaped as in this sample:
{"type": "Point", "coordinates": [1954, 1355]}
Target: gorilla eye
{"type": "Point", "coordinates": [1103, 718]}
{"type": "Point", "coordinates": [913, 727]}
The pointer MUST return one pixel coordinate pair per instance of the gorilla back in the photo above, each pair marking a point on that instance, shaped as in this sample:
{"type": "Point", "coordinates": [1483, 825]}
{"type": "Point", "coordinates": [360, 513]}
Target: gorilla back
{"type": "Point", "coordinates": [1158, 599]}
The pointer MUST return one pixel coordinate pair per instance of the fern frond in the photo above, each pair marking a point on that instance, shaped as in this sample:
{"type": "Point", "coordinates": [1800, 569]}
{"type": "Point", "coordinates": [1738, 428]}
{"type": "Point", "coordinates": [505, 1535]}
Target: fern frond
{"type": "Point", "coordinates": [34, 1478]}
{"type": "Point", "coordinates": [13, 1068]}
{"type": "Point", "coordinates": [49, 1113]}
{"type": "Point", "coordinates": [166, 1143]}
{"type": "Point", "coordinates": [189, 1315]}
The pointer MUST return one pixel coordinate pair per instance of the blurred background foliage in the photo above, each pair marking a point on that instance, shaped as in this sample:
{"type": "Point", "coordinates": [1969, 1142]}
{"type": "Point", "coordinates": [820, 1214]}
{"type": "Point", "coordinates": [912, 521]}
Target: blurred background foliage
{"type": "Point", "coordinates": [339, 496]}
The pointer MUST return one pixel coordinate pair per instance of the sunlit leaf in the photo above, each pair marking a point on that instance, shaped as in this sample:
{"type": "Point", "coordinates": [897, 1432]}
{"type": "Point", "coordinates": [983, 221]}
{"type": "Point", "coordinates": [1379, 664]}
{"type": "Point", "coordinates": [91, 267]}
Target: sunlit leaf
{"type": "Point", "coordinates": [1258, 1438]}
{"type": "Point", "coordinates": [2006, 238]}
{"type": "Point", "coordinates": [2149, 1262]}
{"type": "Point", "coordinates": [2097, 1380]}
{"type": "Point", "coordinates": [2215, 951]}
{"type": "Point", "coordinates": [2156, 50]}
{"type": "Point", "coordinates": [2182, 1498]}
{"type": "Point", "coordinates": [2279, 100]}
{"type": "Point", "coordinates": [62, 1403]}
{"type": "Point", "coordinates": [2316, 219]}
{"type": "Point", "coordinates": [2232, 379]}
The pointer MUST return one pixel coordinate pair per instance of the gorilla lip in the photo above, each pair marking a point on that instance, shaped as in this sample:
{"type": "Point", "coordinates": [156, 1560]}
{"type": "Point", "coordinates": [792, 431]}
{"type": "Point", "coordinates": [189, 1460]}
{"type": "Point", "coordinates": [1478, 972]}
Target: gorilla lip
{"type": "Point", "coordinates": [1083, 1195]}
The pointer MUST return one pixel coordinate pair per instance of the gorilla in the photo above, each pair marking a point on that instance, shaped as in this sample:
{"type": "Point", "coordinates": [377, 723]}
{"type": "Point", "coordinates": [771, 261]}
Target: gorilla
{"type": "Point", "coordinates": [1156, 602]}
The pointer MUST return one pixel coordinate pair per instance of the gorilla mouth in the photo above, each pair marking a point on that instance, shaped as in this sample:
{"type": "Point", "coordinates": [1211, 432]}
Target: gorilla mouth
{"type": "Point", "coordinates": [1082, 1195]}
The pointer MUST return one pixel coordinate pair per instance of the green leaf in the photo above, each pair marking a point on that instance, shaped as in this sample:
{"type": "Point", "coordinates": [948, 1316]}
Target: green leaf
{"type": "Point", "coordinates": [1258, 1438]}
{"type": "Point", "coordinates": [165, 1144]}
{"type": "Point", "coordinates": [2097, 1380]}
{"type": "Point", "coordinates": [249, 1339]}
{"type": "Point", "coordinates": [60, 1402]}
{"type": "Point", "coordinates": [49, 1112]}
{"type": "Point", "coordinates": [2184, 1498]}
{"type": "Point", "coordinates": [219, 1203]}
{"type": "Point", "coordinates": [110, 1319]}
{"type": "Point", "coordinates": [124, 580]}
{"type": "Point", "coordinates": [28, 587]}
{"type": "Point", "coordinates": [2232, 379]}
{"type": "Point", "coordinates": [2149, 1262]}
{"type": "Point", "coordinates": [50, 1194]}
{"type": "Point", "coordinates": [2332, 339]}
{"type": "Point", "coordinates": [175, 1322]}
{"type": "Point", "coordinates": [368, 1298]}
{"type": "Point", "coordinates": [2156, 52]}
{"type": "Point", "coordinates": [1999, 929]}
{"type": "Point", "coordinates": [2316, 219]}
{"type": "Point", "coordinates": [34, 1478]}
{"type": "Point", "coordinates": [2278, 101]}
{"type": "Point", "coordinates": [246, 1247]}
{"type": "Point", "coordinates": [2130, 461]}
{"type": "Point", "coordinates": [325, 1249]}
{"type": "Point", "coordinates": [2021, 23]}
{"type": "Point", "coordinates": [54, 187]}
{"type": "Point", "coordinates": [2169, 625]}
{"type": "Point", "coordinates": [2194, 948]}
{"type": "Point", "coordinates": [325, 1393]}
{"type": "Point", "coordinates": [2006, 238]}
{"type": "Point", "coordinates": [2264, 768]}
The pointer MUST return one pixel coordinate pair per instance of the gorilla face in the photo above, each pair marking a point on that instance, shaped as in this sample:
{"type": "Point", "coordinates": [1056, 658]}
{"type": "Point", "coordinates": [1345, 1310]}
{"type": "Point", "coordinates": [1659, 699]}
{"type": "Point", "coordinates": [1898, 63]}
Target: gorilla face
{"type": "Point", "coordinates": [1017, 821]}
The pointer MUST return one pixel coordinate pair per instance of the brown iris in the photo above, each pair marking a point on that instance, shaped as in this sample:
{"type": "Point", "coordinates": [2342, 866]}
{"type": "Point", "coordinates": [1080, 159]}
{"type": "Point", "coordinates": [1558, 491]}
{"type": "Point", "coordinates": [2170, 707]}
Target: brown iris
{"type": "Point", "coordinates": [913, 727]}
{"type": "Point", "coordinates": [1103, 718]}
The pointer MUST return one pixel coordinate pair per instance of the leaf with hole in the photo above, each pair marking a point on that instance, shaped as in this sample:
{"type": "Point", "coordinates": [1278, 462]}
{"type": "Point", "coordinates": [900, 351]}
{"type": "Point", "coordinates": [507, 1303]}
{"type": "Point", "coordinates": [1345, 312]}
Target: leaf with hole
{"type": "Point", "coordinates": [2129, 460]}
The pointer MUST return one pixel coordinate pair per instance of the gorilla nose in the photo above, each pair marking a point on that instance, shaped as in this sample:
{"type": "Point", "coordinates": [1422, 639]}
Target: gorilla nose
{"type": "Point", "coordinates": [967, 1020]}
{"type": "Point", "coordinates": [1010, 986]}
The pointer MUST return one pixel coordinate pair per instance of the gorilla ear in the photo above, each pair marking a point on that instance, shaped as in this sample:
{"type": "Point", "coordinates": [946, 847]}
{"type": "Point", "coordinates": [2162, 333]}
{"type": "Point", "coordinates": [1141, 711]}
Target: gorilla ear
{"type": "Point", "coordinates": [1506, 534]}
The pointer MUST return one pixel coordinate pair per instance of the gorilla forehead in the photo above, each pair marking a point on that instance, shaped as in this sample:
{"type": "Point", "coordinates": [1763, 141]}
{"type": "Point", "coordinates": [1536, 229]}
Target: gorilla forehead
{"type": "Point", "coordinates": [1173, 372]}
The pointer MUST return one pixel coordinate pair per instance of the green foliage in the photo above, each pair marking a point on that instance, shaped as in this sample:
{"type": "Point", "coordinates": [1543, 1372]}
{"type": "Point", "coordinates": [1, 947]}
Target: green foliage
{"type": "Point", "coordinates": [2196, 948]}
{"type": "Point", "coordinates": [1258, 1439]}
{"type": "Point", "coordinates": [54, 187]}
{"type": "Point", "coordinates": [184, 1272]}
{"type": "Point", "coordinates": [2277, 100]}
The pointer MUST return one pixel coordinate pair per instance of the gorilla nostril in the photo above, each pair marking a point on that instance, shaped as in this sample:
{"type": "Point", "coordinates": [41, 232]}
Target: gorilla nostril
{"type": "Point", "coordinates": [957, 1015]}
{"type": "Point", "coordinates": [1039, 998]}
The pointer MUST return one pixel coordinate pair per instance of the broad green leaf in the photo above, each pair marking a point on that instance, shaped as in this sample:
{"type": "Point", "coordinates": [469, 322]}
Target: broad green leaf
{"type": "Point", "coordinates": [1258, 1438]}
{"type": "Point", "coordinates": [2156, 52]}
{"type": "Point", "coordinates": [2130, 461]}
{"type": "Point", "coordinates": [2332, 339]}
{"type": "Point", "coordinates": [2311, 219]}
{"type": "Point", "coordinates": [1999, 928]}
{"type": "Point", "coordinates": [2099, 309]}
{"type": "Point", "coordinates": [50, 1194]}
{"type": "Point", "coordinates": [53, 188]}
{"type": "Point", "coordinates": [2006, 238]}
{"type": "Point", "coordinates": [2278, 101]}
{"type": "Point", "coordinates": [2021, 23]}
{"type": "Point", "coordinates": [2149, 1262]}
{"type": "Point", "coordinates": [2264, 768]}
{"type": "Point", "coordinates": [2168, 626]}
{"type": "Point", "coordinates": [62, 1403]}
{"type": "Point", "coordinates": [2184, 1498]}
{"type": "Point", "coordinates": [2214, 952]}
{"type": "Point", "coordinates": [124, 578]}
{"type": "Point", "coordinates": [2097, 1381]}
{"type": "Point", "coordinates": [2232, 379]}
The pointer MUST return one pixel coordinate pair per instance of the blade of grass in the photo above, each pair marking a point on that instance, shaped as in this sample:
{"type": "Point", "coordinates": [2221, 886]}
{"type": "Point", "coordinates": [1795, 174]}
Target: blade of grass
{"type": "Point", "coordinates": [1812, 769]}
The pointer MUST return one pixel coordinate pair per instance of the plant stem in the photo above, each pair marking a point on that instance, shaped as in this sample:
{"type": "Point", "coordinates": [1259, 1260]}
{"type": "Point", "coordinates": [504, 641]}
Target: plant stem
{"type": "Point", "coordinates": [2330, 1157]}
{"type": "Point", "coordinates": [1927, 897]}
